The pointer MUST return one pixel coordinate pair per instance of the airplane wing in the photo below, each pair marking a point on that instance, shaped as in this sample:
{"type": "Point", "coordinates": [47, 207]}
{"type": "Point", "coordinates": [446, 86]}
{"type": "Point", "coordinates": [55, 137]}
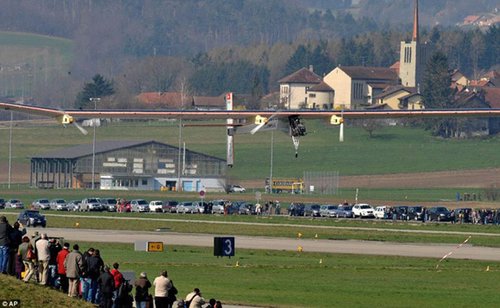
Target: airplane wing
{"type": "Point", "coordinates": [247, 114]}
{"type": "Point", "coordinates": [256, 120]}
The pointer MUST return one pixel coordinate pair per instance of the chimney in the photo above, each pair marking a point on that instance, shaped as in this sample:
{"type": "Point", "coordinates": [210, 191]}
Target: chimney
{"type": "Point", "coordinates": [311, 68]}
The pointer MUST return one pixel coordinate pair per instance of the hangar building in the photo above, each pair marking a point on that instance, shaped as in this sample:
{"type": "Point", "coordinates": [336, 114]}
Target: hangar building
{"type": "Point", "coordinates": [128, 165]}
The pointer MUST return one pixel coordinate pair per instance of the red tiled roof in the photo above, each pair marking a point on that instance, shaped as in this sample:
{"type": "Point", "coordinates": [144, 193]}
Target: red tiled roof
{"type": "Point", "coordinates": [492, 96]}
{"type": "Point", "coordinates": [479, 83]}
{"type": "Point", "coordinates": [301, 76]}
{"type": "Point", "coordinates": [395, 67]}
{"type": "Point", "coordinates": [371, 73]}
{"type": "Point", "coordinates": [163, 99]}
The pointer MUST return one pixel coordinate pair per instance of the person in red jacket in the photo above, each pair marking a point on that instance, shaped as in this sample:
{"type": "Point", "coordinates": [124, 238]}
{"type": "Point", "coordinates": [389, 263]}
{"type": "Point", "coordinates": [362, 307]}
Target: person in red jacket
{"type": "Point", "coordinates": [118, 277]}
{"type": "Point", "coordinates": [61, 271]}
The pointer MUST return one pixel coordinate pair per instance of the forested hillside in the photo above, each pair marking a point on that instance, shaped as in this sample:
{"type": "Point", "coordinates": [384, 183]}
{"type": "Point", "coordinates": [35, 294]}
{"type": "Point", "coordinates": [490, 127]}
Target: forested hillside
{"type": "Point", "coordinates": [211, 46]}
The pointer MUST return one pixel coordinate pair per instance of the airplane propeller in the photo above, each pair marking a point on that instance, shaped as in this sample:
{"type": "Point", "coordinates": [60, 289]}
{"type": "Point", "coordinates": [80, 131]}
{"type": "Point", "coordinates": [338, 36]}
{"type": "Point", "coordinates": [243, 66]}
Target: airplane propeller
{"type": "Point", "coordinates": [66, 119]}
{"type": "Point", "coordinates": [80, 128]}
{"type": "Point", "coordinates": [262, 124]}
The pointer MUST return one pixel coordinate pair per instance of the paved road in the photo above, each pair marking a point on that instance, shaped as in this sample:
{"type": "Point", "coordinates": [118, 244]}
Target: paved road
{"type": "Point", "coordinates": [308, 245]}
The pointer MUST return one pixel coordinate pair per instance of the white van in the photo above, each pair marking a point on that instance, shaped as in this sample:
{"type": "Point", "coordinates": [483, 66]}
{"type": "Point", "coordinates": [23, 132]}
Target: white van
{"type": "Point", "coordinates": [380, 212]}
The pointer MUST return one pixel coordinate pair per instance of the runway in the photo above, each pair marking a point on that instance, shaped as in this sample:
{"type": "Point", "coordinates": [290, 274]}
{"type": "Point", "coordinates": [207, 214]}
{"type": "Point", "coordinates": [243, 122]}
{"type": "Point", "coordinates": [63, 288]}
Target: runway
{"type": "Point", "coordinates": [286, 244]}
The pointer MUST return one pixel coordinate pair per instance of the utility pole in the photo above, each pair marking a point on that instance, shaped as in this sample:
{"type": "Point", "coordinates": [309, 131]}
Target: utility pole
{"type": "Point", "coordinates": [94, 123]}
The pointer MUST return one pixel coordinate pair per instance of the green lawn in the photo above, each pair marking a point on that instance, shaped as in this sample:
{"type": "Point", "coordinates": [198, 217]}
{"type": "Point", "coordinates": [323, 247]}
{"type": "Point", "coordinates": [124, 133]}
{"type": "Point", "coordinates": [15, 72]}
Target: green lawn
{"type": "Point", "coordinates": [392, 150]}
{"type": "Point", "coordinates": [292, 279]}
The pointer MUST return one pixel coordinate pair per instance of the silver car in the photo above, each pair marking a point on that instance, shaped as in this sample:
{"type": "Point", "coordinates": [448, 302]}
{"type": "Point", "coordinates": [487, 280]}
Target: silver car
{"type": "Point", "coordinates": [43, 204]}
{"type": "Point", "coordinates": [139, 205]}
{"type": "Point", "coordinates": [187, 207]}
{"type": "Point", "coordinates": [58, 205]}
{"type": "Point", "coordinates": [14, 204]}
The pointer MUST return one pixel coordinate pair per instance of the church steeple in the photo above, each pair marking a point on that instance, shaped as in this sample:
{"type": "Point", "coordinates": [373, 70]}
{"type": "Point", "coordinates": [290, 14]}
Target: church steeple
{"type": "Point", "coordinates": [415, 22]}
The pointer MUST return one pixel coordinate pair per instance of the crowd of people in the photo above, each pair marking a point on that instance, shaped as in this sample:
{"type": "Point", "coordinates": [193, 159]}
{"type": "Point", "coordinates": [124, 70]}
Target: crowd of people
{"type": "Point", "coordinates": [50, 262]}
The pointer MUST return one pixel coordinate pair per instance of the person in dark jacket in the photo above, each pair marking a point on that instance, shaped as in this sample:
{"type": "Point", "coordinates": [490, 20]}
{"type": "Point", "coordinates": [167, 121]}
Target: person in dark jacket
{"type": "Point", "coordinates": [107, 286]}
{"type": "Point", "coordinates": [5, 231]}
{"type": "Point", "coordinates": [16, 238]}
{"type": "Point", "coordinates": [95, 266]}
{"type": "Point", "coordinates": [142, 286]}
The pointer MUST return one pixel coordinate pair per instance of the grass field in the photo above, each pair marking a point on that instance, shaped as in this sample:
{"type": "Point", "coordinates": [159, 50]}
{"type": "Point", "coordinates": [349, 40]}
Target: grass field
{"type": "Point", "coordinates": [292, 279]}
{"type": "Point", "coordinates": [29, 61]}
{"type": "Point", "coordinates": [392, 150]}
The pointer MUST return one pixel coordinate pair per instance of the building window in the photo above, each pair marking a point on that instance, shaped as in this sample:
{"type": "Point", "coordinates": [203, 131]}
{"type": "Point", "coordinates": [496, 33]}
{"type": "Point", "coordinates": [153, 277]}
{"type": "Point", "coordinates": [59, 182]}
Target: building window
{"type": "Point", "coordinates": [144, 182]}
{"type": "Point", "coordinates": [312, 95]}
{"type": "Point", "coordinates": [357, 90]}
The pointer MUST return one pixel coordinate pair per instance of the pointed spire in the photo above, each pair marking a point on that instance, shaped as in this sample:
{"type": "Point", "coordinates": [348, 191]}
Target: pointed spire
{"type": "Point", "coordinates": [415, 22]}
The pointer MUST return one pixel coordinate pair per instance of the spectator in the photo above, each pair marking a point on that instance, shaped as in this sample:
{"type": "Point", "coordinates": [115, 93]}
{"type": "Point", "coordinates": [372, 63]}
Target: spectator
{"type": "Point", "coordinates": [195, 299]}
{"type": "Point", "coordinates": [5, 231]}
{"type": "Point", "coordinates": [74, 266]}
{"type": "Point", "coordinates": [61, 271]}
{"type": "Point", "coordinates": [54, 248]}
{"type": "Point", "coordinates": [43, 253]}
{"type": "Point", "coordinates": [24, 252]}
{"type": "Point", "coordinates": [107, 286]}
{"type": "Point", "coordinates": [95, 266]}
{"type": "Point", "coordinates": [211, 303]}
{"type": "Point", "coordinates": [16, 238]}
{"type": "Point", "coordinates": [85, 280]}
{"type": "Point", "coordinates": [142, 285]}
{"type": "Point", "coordinates": [162, 284]}
{"type": "Point", "coordinates": [118, 278]}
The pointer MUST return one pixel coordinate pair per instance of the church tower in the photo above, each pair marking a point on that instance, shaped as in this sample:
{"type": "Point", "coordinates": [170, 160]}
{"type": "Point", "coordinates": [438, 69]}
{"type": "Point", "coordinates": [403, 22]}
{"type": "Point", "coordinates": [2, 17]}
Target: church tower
{"type": "Point", "coordinates": [413, 56]}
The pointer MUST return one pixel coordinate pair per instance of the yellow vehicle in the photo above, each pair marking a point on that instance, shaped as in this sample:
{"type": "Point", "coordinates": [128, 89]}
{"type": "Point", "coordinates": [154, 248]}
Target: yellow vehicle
{"type": "Point", "coordinates": [289, 185]}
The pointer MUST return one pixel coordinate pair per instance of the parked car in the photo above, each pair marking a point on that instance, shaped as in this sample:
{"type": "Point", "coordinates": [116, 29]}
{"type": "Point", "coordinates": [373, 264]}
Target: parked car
{"type": "Point", "coordinates": [380, 212]}
{"type": "Point", "coordinates": [32, 218]}
{"type": "Point", "coordinates": [2, 203]}
{"type": "Point", "coordinates": [218, 206]}
{"type": "Point", "coordinates": [73, 205]}
{"type": "Point", "coordinates": [296, 209]}
{"type": "Point", "coordinates": [14, 204]}
{"type": "Point", "coordinates": [344, 211]}
{"type": "Point", "coordinates": [108, 204]}
{"type": "Point", "coordinates": [415, 212]}
{"type": "Point", "coordinates": [439, 213]}
{"type": "Point", "coordinates": [401, 212]}
{"type": "Point", "coordinates": [328, 210]}
{"type": "Point", "coordinates": [201, 207]}
{"type": "Point", "coordinates": [139, 205]}
{"type": "Point", "coordinates": [90, 204]}
{"type": "Point", "coordinates": [58, 205]}
{"type": "Point", "coordinates": [42, 204]}
{"type": "Point", "coordinates": [312, 210]}
{"type": "Point", "coordinates": [186, 207]}
{"type": "Point", "coordinates": [170, 206]}
{"type": "Point", "coordinates": [156, 206]}
{"type": "Point", "coordinates": [237, 189]}
{"type": "Point", "coordinates": [245, 208]}
{"type": "Point", "coordinates": [362, 210]}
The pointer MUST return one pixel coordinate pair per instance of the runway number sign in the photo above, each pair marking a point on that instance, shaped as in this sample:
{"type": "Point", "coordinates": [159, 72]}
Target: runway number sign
{"type": "Point", "coordinates": [224, 246]}
{"type": "Point", "coordinates": [155, 246]}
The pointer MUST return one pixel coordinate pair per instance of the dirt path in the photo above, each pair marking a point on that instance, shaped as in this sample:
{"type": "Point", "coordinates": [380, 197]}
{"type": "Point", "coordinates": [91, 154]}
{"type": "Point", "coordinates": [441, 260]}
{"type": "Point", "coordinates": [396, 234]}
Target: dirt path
{"type": "Point", "coordinates": [457, 179]}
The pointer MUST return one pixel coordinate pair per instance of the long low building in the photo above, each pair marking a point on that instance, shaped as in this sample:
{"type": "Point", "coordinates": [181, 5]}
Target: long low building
{"type": "Point", "coordinates": [128, 165]}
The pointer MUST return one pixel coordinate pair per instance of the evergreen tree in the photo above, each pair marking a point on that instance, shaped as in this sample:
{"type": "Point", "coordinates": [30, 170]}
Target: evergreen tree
{"type": "Point", "coordinates": [438, 94]}
{"type": "Point", "coordinates": [100, 87]}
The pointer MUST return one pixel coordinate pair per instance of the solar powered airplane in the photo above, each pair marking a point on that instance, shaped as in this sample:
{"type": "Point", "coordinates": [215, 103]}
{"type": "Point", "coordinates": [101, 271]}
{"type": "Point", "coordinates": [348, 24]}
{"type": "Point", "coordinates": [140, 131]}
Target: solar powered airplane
{"type": "Point", "coordinates": [248, 121]}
